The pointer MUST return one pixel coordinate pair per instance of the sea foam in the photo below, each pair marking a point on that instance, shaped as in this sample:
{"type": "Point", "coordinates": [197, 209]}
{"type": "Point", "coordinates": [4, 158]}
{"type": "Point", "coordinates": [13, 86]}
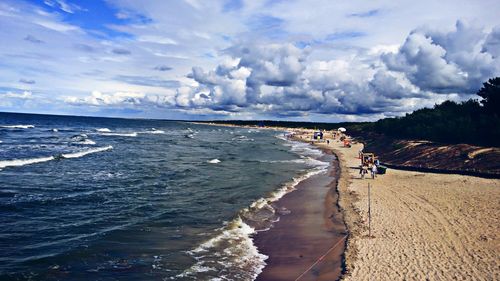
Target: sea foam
{"type": "Point", "coordinates": [133, 134]}
{"type": "Point", "coordinates": [153, 131]}
{"type": "Point", "coordinates": [235, 250]}
{"type": "Point", "coordinates": [23, 162]}
{"type": "Point", "coordinates": [85, 152]}
{"type": "Point", "coordinates": [17, 126]}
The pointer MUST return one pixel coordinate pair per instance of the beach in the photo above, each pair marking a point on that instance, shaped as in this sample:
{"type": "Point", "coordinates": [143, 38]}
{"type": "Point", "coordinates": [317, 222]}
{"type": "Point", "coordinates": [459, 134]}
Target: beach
{"type": "Point", "coordinates": [424, 226]}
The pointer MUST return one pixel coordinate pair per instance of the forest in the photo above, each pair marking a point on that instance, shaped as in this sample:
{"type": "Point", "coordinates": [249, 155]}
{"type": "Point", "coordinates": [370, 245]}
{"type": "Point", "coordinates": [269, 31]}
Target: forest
{"type": "Point", "coordinates": [472, 122]}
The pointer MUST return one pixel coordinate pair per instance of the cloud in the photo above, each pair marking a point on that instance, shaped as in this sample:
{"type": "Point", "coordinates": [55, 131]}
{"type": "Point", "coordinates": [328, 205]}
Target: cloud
{"type": "Point", "coordinates": [344, 35]}
{"type": "Point", "coordinates": [84, 48]}
{"type": "Point", "coordinates": [157, 39]}
{"type": "Point", "coordinates": [163, 68]}
{"type": "Point", "coordinates": [447, 62]}
{"type": "Point", "coordinates": [56, 26]}
{"type": "Point", "coordinates": [148, 81]}
{"type": "Point", "coordinates": [64, 6]}
{"type": "Point", "coordinates": [248, 59]}
{"type": "Point", "coordinates": [27, 81]}
{"type": "Point", "coordinates": [283, 80]}
{"type": "Point", "coordinates": [33, 39]}
{"type": "Point", "coordinates": [370, 13]}
{"type": "Point", "coordinates": [99, 99]}
{"type": "Point", "coordinates": [120, 51]}
{"type": "Point", "coordinates": [24, 95]}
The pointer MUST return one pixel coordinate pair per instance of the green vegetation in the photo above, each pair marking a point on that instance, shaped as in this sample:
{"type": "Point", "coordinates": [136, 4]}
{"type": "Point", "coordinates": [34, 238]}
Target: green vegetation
{"type": "Point", "coordinates": [471, 122]}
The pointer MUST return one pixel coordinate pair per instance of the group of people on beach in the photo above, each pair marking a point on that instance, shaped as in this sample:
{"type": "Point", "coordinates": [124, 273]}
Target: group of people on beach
{"type": "Point", "coordinates": [368, 163]}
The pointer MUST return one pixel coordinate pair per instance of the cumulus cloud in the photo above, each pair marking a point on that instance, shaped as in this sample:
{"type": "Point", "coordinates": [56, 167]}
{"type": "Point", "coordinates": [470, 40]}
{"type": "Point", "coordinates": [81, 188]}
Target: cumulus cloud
{"type": "Point", "coordinates": [246, 59]}
{"type": "Point", "coordinates": [98, 99]}
{"type": "Point", "coordinates": [282, 79]}
{"type": "Point", "coordinates": [447, 62]}
{"type": "Point", "coordinates": [25, 95]}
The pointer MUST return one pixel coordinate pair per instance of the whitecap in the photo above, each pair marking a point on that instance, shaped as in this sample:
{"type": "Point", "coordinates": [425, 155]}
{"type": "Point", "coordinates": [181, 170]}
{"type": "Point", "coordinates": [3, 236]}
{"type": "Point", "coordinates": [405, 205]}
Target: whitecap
{"type": "Point", "coordinates": [153, 131]}
{"type": "Point", "coordinates": [85, 152]}
{"type": "Point", "coordinates": [87, 142]}
{"type": "Point", "coordinates": [134, 134]}
{"type": "Point", "coordinates": [214, 161]}
{"type": "Point", "coordinates": [103, 130]}
{"type": "Point", "coordinates": [55, 130]}
{"type": "Point", "coordinates": [17, 126]}
{"type": "Point", "coordinates": [22, 162]}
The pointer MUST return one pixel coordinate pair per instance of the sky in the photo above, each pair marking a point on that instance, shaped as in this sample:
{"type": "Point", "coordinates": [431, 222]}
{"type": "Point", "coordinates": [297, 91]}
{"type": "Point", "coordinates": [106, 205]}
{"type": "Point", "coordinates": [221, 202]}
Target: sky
{"type": "Point", "coordinates": [300, 60]}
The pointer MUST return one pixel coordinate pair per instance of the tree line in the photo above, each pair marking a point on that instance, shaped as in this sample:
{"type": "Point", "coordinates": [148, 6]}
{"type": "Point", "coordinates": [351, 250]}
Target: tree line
{"type": "Point", "coordinates": [472, 122]}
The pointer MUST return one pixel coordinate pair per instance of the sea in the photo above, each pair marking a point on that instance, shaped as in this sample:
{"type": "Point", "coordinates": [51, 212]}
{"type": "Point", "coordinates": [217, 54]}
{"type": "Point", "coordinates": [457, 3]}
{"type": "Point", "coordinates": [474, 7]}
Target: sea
{"type": "Point", "coordinates": [86, 198]}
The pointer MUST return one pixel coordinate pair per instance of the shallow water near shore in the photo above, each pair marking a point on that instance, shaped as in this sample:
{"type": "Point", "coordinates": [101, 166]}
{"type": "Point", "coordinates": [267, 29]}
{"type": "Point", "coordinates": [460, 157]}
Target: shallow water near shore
{"type": "Point", "coordinates": [97, 198]}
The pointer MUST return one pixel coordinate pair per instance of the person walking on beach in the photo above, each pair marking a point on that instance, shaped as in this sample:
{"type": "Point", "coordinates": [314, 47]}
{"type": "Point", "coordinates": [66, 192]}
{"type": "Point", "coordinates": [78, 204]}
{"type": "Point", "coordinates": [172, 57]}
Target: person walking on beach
{"type": "Point", "coordinates": [374, 171]}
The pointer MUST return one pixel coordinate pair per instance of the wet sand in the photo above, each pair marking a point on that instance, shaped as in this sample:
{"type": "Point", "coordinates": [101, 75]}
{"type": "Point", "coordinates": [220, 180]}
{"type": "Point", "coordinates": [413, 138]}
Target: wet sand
{"type": "Point", "coordinates": [301, 237]}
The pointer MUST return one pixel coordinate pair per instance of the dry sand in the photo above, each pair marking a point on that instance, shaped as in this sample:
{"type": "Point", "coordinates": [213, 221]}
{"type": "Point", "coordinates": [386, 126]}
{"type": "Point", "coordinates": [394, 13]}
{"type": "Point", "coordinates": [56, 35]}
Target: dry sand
{"type": "Point", "coordinates": [425, 226]}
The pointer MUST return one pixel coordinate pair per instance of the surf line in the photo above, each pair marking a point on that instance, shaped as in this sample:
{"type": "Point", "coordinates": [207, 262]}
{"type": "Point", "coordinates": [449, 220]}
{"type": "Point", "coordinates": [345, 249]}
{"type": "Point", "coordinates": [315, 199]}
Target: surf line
{"type": "Point", "coordinates": [322, 257]}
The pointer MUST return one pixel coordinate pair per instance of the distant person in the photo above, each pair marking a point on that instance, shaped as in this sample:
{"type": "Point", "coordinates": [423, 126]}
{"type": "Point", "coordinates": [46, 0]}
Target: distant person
{"type": "Point", "coordinates": [374, 171]}
{"type": "Point", "coordinates": [363, 170]}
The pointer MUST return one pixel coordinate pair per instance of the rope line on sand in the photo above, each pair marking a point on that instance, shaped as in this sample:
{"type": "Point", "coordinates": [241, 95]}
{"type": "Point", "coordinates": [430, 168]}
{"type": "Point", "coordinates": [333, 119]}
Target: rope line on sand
{"type": "Point", "coordinates": [321, 258]}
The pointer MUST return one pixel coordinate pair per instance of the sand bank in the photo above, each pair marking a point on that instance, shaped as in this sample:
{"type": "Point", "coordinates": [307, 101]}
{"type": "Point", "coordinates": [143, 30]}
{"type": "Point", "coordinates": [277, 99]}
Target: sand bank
{"type": "Point", "coordinates": [425, 226]}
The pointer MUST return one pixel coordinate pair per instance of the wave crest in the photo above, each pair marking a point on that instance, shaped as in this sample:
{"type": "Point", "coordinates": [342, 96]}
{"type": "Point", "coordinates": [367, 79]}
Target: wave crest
{"type": "Point", "coordinates": [17, 126]}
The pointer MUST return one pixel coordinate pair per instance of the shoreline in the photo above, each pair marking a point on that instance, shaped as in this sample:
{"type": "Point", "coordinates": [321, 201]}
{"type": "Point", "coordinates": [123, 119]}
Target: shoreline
{"type": "Point", "coordinates": [308, 241]}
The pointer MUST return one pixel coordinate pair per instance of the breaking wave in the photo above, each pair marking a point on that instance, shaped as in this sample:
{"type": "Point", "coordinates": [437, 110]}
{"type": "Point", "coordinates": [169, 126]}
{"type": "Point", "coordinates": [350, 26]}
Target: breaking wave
{"type": "Point", "coordinates": [153, 131]}
{"type": "Point", "coordinates": [17, 126]}
{"type": "Point", "coordinates": [133, 134]}
{"type": "Point", "coordinates": [85, 152]}
{"type": "Point", "coordinates": [23, 162]}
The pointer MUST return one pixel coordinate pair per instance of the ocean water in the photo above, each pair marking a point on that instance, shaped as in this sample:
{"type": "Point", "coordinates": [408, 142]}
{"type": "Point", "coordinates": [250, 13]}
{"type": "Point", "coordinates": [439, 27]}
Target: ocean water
{"type": "Point", "coordinates": [117, 199]}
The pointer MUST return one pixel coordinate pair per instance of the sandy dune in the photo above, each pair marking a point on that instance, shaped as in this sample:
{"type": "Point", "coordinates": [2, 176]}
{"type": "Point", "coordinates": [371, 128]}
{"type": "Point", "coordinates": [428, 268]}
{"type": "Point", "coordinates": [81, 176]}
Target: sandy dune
{"type": "Point", "coordinates": [424, 226]}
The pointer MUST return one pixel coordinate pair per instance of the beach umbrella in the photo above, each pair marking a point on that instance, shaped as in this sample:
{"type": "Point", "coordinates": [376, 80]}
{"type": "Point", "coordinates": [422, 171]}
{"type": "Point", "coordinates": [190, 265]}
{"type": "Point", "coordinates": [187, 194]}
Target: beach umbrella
{"type": "Point", "coordinates": [341, 129]}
